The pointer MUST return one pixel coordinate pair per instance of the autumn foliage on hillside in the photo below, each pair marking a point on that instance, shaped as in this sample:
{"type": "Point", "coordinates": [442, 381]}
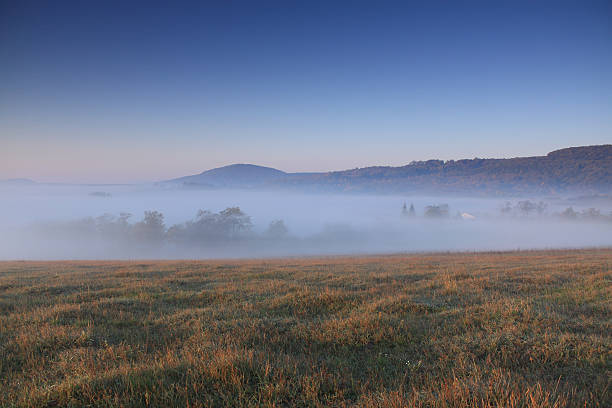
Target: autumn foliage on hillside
{"type": "Point", "coordinates": [586, 168]}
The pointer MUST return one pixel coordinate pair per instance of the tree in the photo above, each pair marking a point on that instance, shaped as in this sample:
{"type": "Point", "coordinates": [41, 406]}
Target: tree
{"type": "Point", "coordinates": [526, 206]}
{"type": "Point", "coordinates": [112, 227]}
{"type": "Point", "coordinates": [277, 229]}
{"type": "Point", "coordinates": [569, 214]}
{"type": "Point", "coordinates": [235, 220]}
{"type": "Point", "coordinates": [151, 228]}
{"type": "Point", "coordinates": [408, 212]}
{"type": "Point", "coordinates": [507, 208]}
{"type": "Point", "coordinates": [436, 211]}
{"type": "Point", "coordinates": [208, 226]}
{"type": "Point", "coordinates": [541, 207]}
{"type": "Point", "coordinates": [592, 214]}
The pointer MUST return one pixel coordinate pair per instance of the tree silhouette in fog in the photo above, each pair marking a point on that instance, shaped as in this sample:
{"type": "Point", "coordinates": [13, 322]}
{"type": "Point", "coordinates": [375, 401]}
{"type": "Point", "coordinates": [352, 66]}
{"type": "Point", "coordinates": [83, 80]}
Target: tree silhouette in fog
{"type": "Point", "coordinates": [277, 229]}
{"type": "Point", "coordinates": [437, 211]}
{"type": "Point", "coordinates": [151, 229]}
{"type": "Point", "coordinates": [230, 223]}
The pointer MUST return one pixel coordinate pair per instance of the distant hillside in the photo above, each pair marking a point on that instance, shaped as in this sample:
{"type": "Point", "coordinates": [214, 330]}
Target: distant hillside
{"type": "Point", "coordinates": [17, 182]}
{"type": "Point", "coordinates": [233, 176]}
{"type": "Point", "coordinates": [575, 169]}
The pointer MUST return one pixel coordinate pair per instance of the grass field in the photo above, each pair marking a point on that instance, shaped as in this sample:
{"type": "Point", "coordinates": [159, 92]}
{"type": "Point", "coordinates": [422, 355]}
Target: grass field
{"type": "Point", "coordinates": [517, 329]}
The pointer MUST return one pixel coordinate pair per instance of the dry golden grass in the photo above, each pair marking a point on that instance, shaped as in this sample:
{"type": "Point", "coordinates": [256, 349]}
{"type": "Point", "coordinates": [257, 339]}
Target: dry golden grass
{"type": "Point", "coordinates": [523, 329]}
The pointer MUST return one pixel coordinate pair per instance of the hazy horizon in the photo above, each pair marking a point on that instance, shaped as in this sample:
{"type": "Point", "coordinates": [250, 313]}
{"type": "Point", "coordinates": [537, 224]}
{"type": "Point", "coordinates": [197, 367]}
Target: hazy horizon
{"type": "Point", "coordinates": [128, 94]}
{"type": "Point", "coordinates": [44, 180]}
{"type": "Point", "coordinates": [79, 222]}
{"type": "Point", "coordinates": [112, 92]}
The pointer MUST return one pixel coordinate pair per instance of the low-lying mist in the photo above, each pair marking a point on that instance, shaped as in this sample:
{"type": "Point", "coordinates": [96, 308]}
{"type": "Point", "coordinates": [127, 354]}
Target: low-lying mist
{"type": "Point", "coordinates": [136, 222]}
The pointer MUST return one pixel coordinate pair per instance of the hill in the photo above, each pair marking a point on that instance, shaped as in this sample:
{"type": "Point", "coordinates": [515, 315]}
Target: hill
{"type": "Point", "coordinates": [586, 169]}
{"type": "Point", "coordinates": [233, 176]}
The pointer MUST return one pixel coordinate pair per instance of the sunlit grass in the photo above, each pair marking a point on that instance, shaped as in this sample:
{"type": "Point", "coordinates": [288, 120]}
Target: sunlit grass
{"type": "Point", "coordinates": [530, 329]}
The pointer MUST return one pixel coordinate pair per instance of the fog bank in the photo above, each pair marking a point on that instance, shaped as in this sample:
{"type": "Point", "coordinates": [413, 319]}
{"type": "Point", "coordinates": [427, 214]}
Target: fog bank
{"type": "Point", "coordinates": [109, 222]}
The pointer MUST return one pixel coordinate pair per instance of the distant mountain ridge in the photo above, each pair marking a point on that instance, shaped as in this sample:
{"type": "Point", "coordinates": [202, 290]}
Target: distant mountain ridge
{"type": "Point", "coordinates": [580, 169]}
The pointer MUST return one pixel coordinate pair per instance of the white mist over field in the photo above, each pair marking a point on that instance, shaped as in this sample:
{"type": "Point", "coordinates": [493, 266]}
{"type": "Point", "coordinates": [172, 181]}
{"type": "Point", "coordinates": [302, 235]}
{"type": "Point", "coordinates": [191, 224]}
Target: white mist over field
{"type": "Point", "coordinates": [39, 222]}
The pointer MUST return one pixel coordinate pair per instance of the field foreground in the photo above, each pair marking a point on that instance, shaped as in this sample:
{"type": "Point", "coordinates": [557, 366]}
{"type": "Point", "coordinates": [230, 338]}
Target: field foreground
{"type": "Point", "coordinates": [529, 329]}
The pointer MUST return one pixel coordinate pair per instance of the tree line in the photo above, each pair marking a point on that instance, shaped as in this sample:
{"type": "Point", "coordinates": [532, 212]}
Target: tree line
{"type": "Point", "coordinates": [528, 208]}
{"type": "Point", "coordinates": [227, 225]}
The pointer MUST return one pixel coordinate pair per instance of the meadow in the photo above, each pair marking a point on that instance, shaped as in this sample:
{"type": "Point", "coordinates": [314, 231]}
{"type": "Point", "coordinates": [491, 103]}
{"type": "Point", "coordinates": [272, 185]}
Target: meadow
{"type": "Point", "coordinates": [490, 329]}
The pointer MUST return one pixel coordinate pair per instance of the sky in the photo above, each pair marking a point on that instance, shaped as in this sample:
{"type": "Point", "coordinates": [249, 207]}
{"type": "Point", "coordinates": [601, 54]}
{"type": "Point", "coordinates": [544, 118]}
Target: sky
{"type": "Point", "coordinates": [113, 92]}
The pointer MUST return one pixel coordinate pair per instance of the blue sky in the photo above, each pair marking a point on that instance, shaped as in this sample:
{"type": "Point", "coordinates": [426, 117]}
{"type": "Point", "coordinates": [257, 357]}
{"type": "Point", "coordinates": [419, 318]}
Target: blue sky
{"type": "Point", "coordinates": [127, 91]}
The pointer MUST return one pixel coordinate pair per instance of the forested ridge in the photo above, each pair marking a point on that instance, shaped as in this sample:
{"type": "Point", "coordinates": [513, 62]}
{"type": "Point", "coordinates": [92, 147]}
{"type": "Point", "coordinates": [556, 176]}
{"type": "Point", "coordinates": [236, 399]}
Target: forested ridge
{"type": "Point", "coordinates": [586, 168]}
